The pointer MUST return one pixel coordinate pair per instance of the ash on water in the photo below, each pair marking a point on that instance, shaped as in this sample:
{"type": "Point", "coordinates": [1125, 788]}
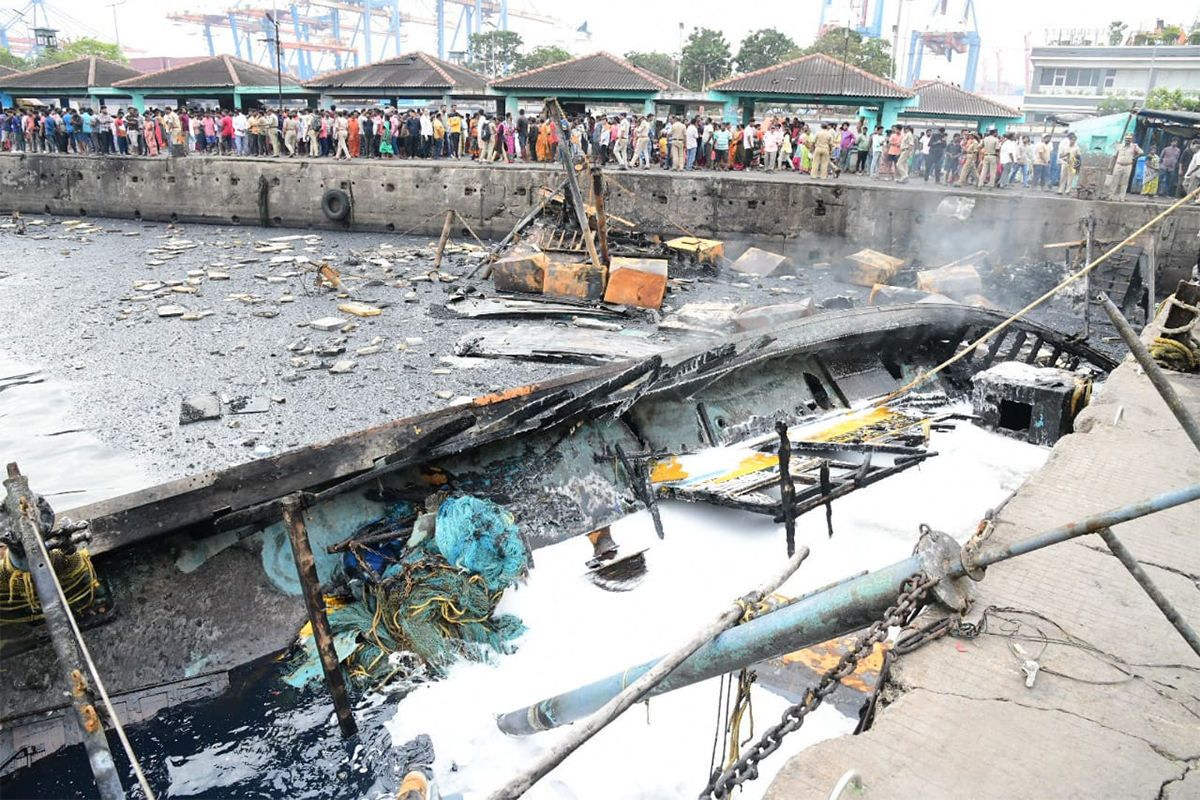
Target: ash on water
{"type": "Point", "coordinates": [259, 739]}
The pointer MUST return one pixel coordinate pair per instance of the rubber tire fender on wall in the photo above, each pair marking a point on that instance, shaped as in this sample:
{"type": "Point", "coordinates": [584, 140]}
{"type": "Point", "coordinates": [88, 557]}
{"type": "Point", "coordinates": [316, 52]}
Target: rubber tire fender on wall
{"type": "Point", "coordinates": [335, 204]}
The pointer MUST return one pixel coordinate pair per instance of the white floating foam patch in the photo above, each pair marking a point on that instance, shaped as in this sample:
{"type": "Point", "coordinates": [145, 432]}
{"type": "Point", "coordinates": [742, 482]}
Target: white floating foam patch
{"type": "Point", "coordinates": [579, 633]}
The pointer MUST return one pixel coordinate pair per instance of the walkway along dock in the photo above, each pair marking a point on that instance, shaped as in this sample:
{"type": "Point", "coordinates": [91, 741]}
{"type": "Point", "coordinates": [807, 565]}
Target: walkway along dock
{"type": "Point", "coordinates": [1113, 709]}
{"type": "Point", "coordinates": [814, 221]}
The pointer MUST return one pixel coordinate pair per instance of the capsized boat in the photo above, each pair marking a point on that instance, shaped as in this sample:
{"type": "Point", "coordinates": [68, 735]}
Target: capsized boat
{"type": "Point", "coordinates": [195, 577]}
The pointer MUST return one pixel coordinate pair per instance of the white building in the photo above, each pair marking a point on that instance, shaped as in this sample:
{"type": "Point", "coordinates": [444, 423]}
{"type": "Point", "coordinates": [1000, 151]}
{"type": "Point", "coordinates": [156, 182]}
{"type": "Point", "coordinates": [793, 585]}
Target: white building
{"type": "Point", "coordinates": [1072, 80]}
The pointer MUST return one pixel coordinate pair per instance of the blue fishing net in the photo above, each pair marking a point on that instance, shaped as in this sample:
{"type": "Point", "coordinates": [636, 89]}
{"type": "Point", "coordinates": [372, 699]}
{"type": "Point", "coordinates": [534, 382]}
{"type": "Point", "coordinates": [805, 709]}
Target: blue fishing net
{"type": "Point", "coordinates": [422, 608]}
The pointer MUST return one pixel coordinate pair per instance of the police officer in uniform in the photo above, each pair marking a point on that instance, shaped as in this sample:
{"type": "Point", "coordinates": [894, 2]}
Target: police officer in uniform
{"type": "Point", "coordinates": [990, 147]}
{"type": "Point", "coordinates": [1127, 155]}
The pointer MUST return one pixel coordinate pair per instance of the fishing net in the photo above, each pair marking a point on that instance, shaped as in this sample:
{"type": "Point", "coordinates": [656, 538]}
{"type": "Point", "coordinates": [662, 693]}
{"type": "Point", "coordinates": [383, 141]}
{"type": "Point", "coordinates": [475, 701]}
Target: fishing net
{"type": "Point", "coordinates": [425, 603]}
{"type": "Point", "coordinates": [18, 599]}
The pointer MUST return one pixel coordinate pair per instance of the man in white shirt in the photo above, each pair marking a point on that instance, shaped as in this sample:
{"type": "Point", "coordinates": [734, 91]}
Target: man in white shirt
{"type": "Point", "coordinates": [691, 139]}
{"type": "Point", "coordinates": [1009, 157]}
{"type": "Point", "coordinates": [240, 126]}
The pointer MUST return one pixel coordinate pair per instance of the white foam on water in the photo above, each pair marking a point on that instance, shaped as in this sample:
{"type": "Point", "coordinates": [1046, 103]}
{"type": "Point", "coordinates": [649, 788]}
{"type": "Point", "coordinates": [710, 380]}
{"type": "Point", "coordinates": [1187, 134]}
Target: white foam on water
{"type": "Point", "coordinates": [579, 633]}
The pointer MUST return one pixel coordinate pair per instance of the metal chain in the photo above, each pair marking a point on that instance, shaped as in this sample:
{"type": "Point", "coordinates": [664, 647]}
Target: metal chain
{"type": "Point", "coordinates": [908, 603]}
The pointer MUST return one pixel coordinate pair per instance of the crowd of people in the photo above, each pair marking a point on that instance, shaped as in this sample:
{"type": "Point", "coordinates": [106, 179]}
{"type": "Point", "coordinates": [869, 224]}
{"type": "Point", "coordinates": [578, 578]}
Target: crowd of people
{"type": "Point", "coordinates": [968, 158]}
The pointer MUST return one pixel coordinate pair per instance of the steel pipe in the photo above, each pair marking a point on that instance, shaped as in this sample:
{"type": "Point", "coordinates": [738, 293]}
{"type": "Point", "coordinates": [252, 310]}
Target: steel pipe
{"type": "Point", "coordinates": [1154, 372]}
{"type": "Point", "coordinates": [840, 610]}
{"type": "Point", "coordinates": [22, 510]}
{"type": "Point", "coordinates": [970, 562]}
{"type": "Point", "coordinates": [1168, 610]}
{"type": "Point", "coordinates": [836, 611]}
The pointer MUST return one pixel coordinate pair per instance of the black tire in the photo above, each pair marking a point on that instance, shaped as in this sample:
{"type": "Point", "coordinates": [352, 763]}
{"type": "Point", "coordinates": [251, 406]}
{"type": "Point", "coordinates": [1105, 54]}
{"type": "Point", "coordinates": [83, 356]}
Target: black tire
{"type": "Point", "coordinates": [335, 204]}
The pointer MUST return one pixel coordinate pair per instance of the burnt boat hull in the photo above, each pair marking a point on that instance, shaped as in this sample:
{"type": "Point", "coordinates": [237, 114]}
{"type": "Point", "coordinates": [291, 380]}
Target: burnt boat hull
{"type": "Point", "coordinates": [198, 592]}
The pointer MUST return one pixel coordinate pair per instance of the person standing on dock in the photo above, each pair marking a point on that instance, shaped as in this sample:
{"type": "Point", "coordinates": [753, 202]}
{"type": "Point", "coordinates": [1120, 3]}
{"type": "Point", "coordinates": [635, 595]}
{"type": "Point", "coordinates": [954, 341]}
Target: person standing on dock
{"type": "Point", "coordinates": [1068, 163]}
{"type": "Point", "coordinates": [289, 134]}
{"type": "Point", "coordinates": [822, 151]}
{"type": "Point", "coordinates": [989, 149]}
{"type": "Point", "coordinates": [908, 146]}
{"type": "Point", "coordinates": [1127, 155]}
{"type": "Point", "coordinates": [677, 140]}
{"type": "Point", "coordinates": [341, 133]}
{"type": "Point", "coordinates": [1041, 164]}
{"type": "Point", "coordinates": [273, 132]}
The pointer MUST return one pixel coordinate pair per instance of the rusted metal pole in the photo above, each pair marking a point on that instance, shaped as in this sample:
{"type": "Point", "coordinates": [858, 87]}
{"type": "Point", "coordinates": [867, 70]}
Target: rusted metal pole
{"type": "Point", "coordinates": [601, 222]}
{"type": "Point", "coordinates": [573, 192]}
{"type": "Point", "coordinates": [787, 488]}
{"type": "Point", "coordinates": [23, 512]}
{"type": "Point", "coordinates": [1089, 237]}
{"type": "Point", "coordinates": [1168, 610]}
{"type": "Point", "coordinates": [1154, 372]}
{"type": "Point", "coordinates": [441, 246]}
{"type": "Point", "coordinates": [310, 587]}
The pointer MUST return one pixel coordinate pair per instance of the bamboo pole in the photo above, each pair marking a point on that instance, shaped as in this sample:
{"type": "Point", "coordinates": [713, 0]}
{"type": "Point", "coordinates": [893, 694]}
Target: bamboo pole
{"type": "Point", "coordinates": [293, 518]}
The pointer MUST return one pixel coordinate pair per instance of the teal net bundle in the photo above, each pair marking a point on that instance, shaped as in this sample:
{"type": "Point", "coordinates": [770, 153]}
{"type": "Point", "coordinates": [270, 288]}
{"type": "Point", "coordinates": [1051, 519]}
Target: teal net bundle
{"type": "Point", "coordinates": [424, 603]}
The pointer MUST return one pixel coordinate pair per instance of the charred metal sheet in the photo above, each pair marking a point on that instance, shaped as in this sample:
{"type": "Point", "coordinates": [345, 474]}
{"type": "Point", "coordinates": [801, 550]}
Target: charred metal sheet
{"type": "Point", "coordinates": [549, 343]}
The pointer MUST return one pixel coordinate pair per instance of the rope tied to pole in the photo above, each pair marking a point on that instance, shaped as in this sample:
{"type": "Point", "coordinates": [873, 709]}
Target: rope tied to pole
{"type": "Point", "coordinates": [1086, 270]}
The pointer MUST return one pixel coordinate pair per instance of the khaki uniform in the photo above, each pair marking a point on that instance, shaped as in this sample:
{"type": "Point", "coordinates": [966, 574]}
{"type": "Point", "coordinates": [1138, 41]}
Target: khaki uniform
{"type": "Point", "coordinates": [313, 127]}
{"type": "Point", "coordinates": [342, 131]}
{"type": "Point", "coordinates": [908, 144]}
{"type": "Point", "coordinates": [273, 134]}
{"type": "Point", "coordinates": [678, 145]}
{"type": "Point", "coordinates": [822, 149]}
{"type": "Point", "coordinates": [1127, 156]}
{"type": "Point", "coordinates": [1068, 163]}
{"type": "Point", "coordinates": [987, 172]}
{"type": "Point", "coordinates": [968, 173]}
{"type": "Point", "coordinates": [641, 144]}
{"type": "Point", "coordinates": [622, 146]}
{"type": "Point", "coordinates": [289, 135]}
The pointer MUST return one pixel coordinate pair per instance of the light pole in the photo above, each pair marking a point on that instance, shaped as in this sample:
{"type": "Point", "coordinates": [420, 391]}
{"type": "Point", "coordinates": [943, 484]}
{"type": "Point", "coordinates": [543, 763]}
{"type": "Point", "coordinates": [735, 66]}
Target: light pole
{"type": "Point", "coordinates": [274, 17]}
{"type": "Point", "coordinates": [116, 28]}
{"type": "Point", "coordinates": [679, 62]}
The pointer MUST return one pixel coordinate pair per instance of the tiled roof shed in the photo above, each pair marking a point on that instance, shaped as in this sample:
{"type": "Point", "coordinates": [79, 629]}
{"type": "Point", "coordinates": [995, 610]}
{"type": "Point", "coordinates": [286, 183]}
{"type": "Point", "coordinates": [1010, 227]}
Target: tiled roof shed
{"type": "Point", "coordinates": [75, 78]}
{"type": "Point", "coordinates": [812, 76]}
{"type": "Point", "coordinates": [227, 79]}
{"type": "Point", "coordinates": [594, 73]}
{"type": "Point", "coordinates": [219, 72]}
{"type": "Point", "coordinates": [941, 99]}
{"type": "Point", "coordinates": [6, 71]}
{"type": "Point", "coordinates": [411, 75]}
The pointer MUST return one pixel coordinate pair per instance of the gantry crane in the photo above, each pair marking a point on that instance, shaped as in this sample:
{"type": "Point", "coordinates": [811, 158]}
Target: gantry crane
{"type": "Point", "coordinates": [858, 11]}
{"type": "Point", "coordinates": [319, 35]}
{"type": "Point", "coordinates": [23, 30]}
{"type": "Point", "coordinates": [944, 36]}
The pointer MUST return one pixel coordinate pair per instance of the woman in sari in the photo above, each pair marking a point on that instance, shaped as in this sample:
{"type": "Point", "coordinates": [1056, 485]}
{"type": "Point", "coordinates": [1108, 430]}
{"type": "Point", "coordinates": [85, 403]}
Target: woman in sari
{"type": "Point", "coordinates": [1150, 172]}
{"type": "Point", "coordinates": [805, 150]}
{"type": "Point", "coordinates": [386, 149]}
{"type": "Point", "coordinates": [735, 148]}
{"type": "Point", "coordinates": [510, 138]}
{"type": "Point", "coordinates": [150, 132]}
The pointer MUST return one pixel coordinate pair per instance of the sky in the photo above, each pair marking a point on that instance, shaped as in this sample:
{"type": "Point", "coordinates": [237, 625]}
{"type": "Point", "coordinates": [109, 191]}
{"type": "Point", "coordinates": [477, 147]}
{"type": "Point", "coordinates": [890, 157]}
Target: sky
{"type": "Point", "coordinates": [620, 26]}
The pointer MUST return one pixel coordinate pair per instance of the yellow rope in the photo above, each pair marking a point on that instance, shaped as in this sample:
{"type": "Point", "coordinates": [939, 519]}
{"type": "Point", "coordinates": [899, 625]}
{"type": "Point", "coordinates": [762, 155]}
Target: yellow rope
{"type": "Point", "coordinates": [1006, 323]}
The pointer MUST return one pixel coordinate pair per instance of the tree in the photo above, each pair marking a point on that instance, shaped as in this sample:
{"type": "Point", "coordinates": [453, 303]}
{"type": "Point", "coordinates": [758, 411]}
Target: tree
{"type": "Point", "coordinates": [1171, 100]}
{"type": "Point", "coordinates": [1116, 32]}
{"type": "Point", "coordinates": [79, 48]}
{"type": "Point", "coordinates": [660, 64]}
{"type": "Point", "coordinates": [10, 59]}
{"type": "Point", "coordinates": [706, 58]}
{"type": "Point", "coordinates": [1113, 104]}
{"type": "Point", "coordinates": [493, 52]}
{"type": "Point", "coordinates": [765, 48]}
{"type": "Point", "coordinates": [855, 49]}
{"type": "Point", "coordinates": [541, 56]}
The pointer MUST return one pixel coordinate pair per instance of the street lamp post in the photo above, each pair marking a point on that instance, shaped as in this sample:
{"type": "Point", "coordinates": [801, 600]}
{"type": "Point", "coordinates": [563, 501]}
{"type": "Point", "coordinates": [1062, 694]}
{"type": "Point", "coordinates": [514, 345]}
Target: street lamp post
{"type": "Point", "coordinates": [116, 28]}
{"type": "Point", "coordinates": [274, 17]}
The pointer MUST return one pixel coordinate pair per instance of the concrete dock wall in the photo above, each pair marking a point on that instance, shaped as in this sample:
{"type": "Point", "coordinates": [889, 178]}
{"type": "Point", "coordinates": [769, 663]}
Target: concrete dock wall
{"type": "Point", "coordinates": [812, 221]}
